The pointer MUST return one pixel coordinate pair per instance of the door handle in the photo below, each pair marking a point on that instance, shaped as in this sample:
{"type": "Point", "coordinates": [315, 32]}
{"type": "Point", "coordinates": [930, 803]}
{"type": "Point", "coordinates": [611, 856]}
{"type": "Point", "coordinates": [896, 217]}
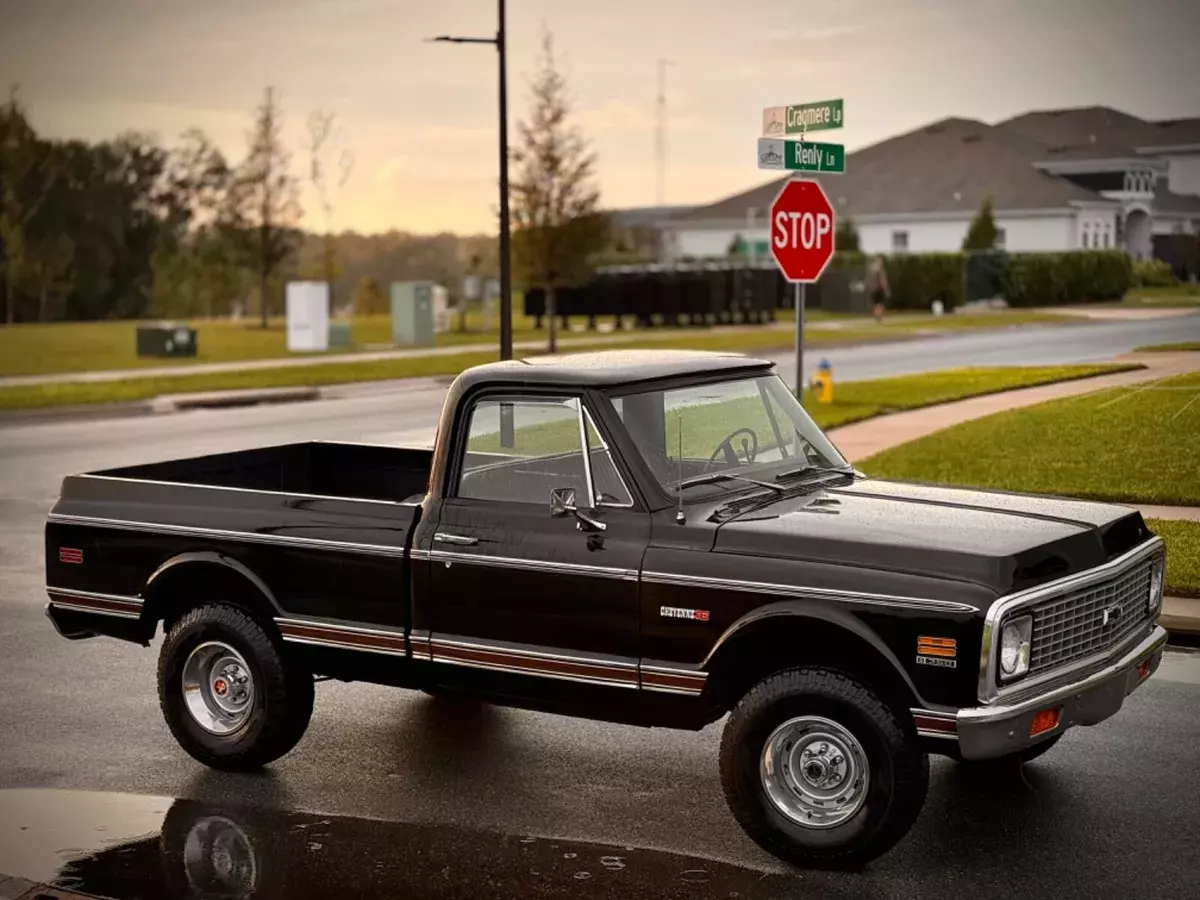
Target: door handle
{"type": "Point", "coordinates": [460, 540]}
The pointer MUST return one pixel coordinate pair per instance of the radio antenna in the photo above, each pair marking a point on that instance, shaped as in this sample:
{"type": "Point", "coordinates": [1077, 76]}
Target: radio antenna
{"type": "Point", "coordinates": [679, 517]}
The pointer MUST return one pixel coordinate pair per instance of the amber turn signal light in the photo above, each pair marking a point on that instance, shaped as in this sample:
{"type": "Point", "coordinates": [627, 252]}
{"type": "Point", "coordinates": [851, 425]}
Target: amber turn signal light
{"type": "Point", "coordinates": [1045, 720]}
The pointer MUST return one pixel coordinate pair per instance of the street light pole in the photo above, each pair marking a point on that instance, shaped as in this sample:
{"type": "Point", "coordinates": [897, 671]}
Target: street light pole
{"type": "Point", "coordinates": [500, 42]}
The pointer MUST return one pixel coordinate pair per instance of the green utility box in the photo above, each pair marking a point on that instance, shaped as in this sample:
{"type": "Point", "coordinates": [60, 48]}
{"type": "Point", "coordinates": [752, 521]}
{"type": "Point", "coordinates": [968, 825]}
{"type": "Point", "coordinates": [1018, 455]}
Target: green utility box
{"type": "Point", "coordinates": [166, 339]}
{"type": "Point", "coordinates": [412, 312]}
{"type": "Point", "coordinates": [340, 336]}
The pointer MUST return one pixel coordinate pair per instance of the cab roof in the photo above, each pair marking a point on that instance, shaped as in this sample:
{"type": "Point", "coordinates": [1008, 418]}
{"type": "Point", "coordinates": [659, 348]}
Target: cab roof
{"type": "Point", "coordinates": [610, 368]}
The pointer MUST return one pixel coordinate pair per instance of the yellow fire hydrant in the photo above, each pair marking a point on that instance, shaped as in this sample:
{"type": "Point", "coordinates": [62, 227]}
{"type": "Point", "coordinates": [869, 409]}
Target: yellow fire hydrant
{"type": "Point", "coordinates": [822, 382]}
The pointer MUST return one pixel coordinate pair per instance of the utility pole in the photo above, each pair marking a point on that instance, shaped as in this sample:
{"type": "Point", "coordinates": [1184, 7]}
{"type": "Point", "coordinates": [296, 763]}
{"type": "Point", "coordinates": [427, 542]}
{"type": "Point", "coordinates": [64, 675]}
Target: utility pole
{"type": "Point", "coordinates": [500, 41]}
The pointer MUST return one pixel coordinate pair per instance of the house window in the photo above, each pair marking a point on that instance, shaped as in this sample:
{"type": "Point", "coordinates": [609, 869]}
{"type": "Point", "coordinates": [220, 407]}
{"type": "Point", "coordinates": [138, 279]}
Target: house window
{"type": "Point", "coordinates": [899, 241]}
{"type": "Point", "coordinates": [1106, 235]}
{"type": "Point", "coordinates": [1001, 239]}
{"type": "Point", "coordinates": [1086, 234]}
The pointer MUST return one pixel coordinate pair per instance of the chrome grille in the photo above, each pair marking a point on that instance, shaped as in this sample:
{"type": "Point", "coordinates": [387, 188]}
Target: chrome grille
{"type": "Point", "coordinates": [1072, 626]}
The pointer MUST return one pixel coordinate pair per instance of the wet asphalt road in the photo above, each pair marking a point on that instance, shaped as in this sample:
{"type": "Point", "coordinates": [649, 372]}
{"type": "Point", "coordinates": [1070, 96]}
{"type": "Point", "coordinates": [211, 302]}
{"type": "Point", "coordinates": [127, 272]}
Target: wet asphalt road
{"type": "Point", "coordinates": [1113, 811]}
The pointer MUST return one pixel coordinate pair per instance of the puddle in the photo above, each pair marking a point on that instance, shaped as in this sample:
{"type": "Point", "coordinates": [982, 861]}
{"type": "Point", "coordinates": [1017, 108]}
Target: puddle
{"type": "Point", "coordinates": [128, 846]}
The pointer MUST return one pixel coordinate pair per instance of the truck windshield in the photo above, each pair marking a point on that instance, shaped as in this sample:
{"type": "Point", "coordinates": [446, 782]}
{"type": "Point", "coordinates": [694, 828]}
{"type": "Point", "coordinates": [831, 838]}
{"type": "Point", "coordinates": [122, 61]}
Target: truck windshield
{"type": "Point", "coordinates": [751, 427]}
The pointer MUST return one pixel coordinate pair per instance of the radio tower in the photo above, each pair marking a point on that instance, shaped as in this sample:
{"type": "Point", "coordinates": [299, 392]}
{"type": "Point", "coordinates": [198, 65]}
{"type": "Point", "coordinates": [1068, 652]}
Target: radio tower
{"type": "Point", "coordinates": [660, 135]}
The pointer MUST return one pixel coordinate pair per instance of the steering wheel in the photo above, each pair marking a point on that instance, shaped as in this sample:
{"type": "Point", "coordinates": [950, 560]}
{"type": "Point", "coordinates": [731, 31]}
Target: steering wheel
{"type": "Point", "coordinates": [749, 448]}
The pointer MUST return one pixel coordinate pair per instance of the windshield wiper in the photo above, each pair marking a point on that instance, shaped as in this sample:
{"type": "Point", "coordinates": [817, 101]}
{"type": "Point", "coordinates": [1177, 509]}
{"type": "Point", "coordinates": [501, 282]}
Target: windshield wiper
{"type": "Point", "coordinates": [810, 469]}
{"type": "Point", "coordinates": [715, 477]}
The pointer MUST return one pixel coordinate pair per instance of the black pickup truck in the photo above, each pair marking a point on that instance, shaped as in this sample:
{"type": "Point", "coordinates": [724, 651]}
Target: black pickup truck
{"type": "Point", "coordinates": [651, 538]}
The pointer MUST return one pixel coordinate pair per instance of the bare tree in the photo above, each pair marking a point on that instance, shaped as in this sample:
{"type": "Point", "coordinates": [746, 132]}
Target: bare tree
{"type": "Point", "coordinates": [557, 225]}
{"type": "Point", "coordinates": [330, 166]}
{"type": "Point", "coordinates": [267, 198]}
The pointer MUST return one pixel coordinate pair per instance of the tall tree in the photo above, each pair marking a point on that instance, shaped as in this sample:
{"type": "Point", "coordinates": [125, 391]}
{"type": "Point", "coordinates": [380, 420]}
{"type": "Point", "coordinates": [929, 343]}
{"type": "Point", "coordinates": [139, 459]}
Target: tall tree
{"type": "Point", "coordinates": [557, 225]}
{"type": "Point", "coordinates": [27, 173]}
{"type": "Point", "coordinates": [267, 199]}
{"type": "Point", "coordinates": [983, 233]}
{"type": "Point", "coordinates": [329, 169]}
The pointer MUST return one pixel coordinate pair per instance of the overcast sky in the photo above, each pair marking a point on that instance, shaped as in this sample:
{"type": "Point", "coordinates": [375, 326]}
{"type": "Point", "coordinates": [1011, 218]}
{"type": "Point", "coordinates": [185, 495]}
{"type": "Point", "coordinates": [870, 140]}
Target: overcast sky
{"type": "Point", "coordinates": [421, 118]}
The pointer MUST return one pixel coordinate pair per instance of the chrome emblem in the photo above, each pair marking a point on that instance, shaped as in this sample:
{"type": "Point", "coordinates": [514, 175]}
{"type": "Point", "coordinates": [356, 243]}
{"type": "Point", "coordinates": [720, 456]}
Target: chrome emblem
{"type": "Point", "coordinates": [1108, 615]}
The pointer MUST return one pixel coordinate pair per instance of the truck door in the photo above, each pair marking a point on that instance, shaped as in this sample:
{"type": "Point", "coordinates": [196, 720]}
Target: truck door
{"type": "Point", "coordinates": [526, 601]}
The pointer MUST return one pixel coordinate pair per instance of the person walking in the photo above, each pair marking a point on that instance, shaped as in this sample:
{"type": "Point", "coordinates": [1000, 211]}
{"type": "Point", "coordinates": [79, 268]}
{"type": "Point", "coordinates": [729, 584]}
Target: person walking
{"type": "Point", "coordinates": [877, 287]}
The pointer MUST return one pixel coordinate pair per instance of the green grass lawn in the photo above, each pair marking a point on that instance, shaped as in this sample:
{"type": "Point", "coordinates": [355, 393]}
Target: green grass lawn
{"type": "Point", "coordinates": [1176, 295]}
{"type": "Point", "coordinates": [1136, 444]}
{"type": "Point", "coordinates": [1183, 555]}
{"type": "Point", "coordinates": [36, 349]}
{"type": "Point", "coordinates": [1168, 348]}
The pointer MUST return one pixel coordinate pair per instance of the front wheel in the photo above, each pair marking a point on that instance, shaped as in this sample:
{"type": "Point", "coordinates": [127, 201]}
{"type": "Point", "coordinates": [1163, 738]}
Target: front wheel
{"type": "Point", "coordinates": [819, 771]}
{"type": "Point", "coordinates": [230, 697]}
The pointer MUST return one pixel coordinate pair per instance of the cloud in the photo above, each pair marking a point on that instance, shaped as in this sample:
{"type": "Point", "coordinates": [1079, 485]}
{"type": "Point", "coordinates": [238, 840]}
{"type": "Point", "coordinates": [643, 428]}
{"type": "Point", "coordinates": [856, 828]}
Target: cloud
{"type": "Point", "coordinates": [815, 34]}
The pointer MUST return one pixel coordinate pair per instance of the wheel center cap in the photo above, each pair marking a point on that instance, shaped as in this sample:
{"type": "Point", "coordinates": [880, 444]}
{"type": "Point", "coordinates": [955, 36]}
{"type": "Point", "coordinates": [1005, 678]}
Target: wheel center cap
{"type": "Point", "coordinates": [220, 687]}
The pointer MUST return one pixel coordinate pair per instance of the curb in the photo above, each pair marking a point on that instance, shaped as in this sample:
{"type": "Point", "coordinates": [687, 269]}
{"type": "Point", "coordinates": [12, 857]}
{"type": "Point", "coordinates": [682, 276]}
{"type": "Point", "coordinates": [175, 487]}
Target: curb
{"type": "Point", "coordinates": [13, 888]}
{"type": "Point", "coordinates": [1181, 615]}
{"type": "Point", "coordinates": [170, 403]}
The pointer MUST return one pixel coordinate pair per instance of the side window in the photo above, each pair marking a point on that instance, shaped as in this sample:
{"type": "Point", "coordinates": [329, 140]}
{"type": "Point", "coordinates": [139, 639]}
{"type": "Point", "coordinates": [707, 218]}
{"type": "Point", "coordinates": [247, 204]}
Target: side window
{"type": "Point", "coordinates": [543, 452]}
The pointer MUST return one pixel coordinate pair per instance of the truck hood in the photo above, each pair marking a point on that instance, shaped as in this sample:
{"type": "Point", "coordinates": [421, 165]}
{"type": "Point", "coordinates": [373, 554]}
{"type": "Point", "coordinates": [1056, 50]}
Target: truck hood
{"type": "Point", "coordinates": [1006, 542]}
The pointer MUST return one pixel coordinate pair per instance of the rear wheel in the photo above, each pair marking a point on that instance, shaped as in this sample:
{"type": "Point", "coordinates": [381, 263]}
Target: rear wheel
{"type": "Point", "coordinates": [230, 697]}
{"type": "Point", "coordinates": [819, 771]}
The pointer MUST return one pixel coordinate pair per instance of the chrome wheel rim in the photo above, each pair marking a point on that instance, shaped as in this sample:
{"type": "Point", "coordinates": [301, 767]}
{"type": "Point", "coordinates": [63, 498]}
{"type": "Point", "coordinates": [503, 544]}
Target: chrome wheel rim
{"type": "Point", "coordinates": [815, 772]}
{"type": "Point", "coordinates": [218, 688]}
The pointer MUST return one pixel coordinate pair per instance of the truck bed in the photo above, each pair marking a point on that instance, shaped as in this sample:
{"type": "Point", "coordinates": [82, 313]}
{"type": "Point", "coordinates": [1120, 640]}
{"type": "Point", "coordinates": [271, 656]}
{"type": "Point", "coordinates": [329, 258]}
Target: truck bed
{"type": "Point", "coordinates": [319, 468]}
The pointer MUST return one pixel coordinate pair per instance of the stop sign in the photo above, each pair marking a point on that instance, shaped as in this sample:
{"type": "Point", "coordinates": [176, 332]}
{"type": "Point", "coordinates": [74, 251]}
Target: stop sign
{"type": "Point", "coordinates": [802, 230]}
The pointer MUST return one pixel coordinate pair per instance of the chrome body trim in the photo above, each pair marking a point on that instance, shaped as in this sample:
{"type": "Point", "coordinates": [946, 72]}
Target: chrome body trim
{"type": "Point", "coordinates": [224, 534]}
{"type": "Point", "coordinates": [587, 456]}
{"type": "Point", "coordinates": [536, 565]}
{"type": "Point", "coordinates": [537, 654]}
{"type": "Point", "coordinates": [989, 690]}
{"type": "Point", "coordinates": [419, 555]}
{"type": "Point", "coordinates": [986, 732]}
{"type": "Point", "coordinates": [240, 490]}
{"type": "Point", "coordinates": [808, 593]}
{"type": "Point", "coordinates": [118, 605]}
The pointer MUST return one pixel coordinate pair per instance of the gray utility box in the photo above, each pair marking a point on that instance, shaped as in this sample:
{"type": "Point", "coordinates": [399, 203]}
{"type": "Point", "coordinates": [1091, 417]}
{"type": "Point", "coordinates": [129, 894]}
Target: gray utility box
{"type": "Point", "coordinates": [412, 312]}
{"type": "Point", "coordinates": [166, 339]}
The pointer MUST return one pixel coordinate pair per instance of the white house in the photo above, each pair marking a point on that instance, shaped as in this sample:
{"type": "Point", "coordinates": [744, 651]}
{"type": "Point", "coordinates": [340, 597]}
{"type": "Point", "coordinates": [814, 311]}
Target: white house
{"type": "Point", "coordinates": [1059, 179]}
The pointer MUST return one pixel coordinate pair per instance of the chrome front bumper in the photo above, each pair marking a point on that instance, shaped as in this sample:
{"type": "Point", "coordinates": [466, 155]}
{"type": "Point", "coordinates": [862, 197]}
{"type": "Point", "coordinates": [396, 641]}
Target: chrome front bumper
{"type": "Point", "coordinates": [987, 732]}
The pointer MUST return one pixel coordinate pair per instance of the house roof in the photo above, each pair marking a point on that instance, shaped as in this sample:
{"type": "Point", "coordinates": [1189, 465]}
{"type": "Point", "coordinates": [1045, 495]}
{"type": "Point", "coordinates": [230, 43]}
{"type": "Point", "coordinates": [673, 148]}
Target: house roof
{"type": "Point", "coordinates": [948, 166]}
{"type": "Point", "coordinates": [1174, 133]}
{"type": "Point", "coordinates": [1167, 202]}
{"type": "Point", "coordinates": [1091, 132]}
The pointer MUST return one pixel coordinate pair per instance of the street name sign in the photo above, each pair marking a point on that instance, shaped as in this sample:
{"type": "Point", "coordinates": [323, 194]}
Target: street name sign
{"type": "Point", "coordinates": [801, 156]}
{"type": "Point", "coordinates": [802, 231]}
{"type": "Point", "coordinates": [801, 117]}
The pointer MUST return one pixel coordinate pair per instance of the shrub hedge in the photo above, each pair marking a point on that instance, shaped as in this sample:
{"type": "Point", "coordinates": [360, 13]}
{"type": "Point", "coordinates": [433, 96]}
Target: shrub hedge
{"type": "Point", "coordinates": [918, 279]}
{"type": "Point", "coordinates": [1153, 273]}
{"type": "Point", "coordinates": [1055, 279]}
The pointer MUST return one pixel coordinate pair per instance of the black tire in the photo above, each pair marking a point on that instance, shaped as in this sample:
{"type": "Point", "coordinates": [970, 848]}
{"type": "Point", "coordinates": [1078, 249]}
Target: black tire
{"type": "Point", "coordinates": [1012, 760]}
{"type": "Point", "coordinates": [895, 792]}
{"type": "Point", "coordinates": [283, 691]}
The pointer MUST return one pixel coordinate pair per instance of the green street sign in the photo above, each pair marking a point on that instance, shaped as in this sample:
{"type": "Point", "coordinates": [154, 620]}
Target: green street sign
{"type": "Point", "coordinates": [801, 156]}
{"type": "Point", "coordinates": [803, 117]}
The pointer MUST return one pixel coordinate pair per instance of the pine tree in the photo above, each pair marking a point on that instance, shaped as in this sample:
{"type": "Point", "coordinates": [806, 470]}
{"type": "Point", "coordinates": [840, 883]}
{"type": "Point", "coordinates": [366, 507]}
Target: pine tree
{"type": "Point", "coordinates": [982, 234]}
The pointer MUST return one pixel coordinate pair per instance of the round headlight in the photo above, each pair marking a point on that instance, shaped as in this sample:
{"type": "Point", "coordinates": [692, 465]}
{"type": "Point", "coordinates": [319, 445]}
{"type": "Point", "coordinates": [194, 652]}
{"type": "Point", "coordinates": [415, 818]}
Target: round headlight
{"type": "Point", "coordinates": [1015, 646]}
{"type": "Point", "coordinates": [1154, 601]}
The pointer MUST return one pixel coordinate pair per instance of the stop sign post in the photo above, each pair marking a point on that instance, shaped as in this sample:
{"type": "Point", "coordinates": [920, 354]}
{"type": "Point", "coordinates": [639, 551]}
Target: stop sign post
{"type": "Point", "coordinates": [802, 242]}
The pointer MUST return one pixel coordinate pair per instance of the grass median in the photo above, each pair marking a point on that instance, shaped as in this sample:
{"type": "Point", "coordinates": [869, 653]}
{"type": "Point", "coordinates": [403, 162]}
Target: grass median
{"type": "Point", "coordinates": [1133, 444]}
{"type": "Point", "coordinates": [1169, 348]}
{"type": "Point", "coordinates": [1183, 555]}
{"type": "Point", "coordinates": [44, 349]}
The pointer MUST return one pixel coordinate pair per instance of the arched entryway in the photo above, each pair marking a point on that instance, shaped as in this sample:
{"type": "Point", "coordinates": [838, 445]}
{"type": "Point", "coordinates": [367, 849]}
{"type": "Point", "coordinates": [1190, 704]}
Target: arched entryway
{"type": "Point", "coordinates": [1137, 238]}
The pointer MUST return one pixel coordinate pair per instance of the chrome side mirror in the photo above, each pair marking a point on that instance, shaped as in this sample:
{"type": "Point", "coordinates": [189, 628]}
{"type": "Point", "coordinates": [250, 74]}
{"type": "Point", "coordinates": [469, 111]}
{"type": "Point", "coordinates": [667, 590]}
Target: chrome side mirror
{"type": "Point", "coordinates": [562, 503]}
